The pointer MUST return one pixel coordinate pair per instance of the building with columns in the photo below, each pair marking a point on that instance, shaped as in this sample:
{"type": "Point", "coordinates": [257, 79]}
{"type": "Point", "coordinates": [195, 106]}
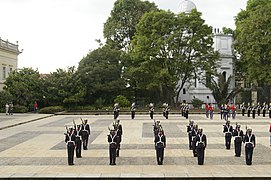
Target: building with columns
{"type": "Point", "coordinates": [8, 59]}
{"type": "Point", "coordinates": [222, 44]}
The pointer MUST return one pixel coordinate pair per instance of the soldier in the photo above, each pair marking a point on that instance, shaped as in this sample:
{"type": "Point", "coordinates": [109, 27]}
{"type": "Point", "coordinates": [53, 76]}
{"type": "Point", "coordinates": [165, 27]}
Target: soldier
{"type": "Point", "coordinates": [160, 145]}
{"type": "Point", "coordinates": [85, 127]}
{"type": "Point", "coordinates": [270, 134]}
{"type": "Point", "coordinates": [165, 110]}
{"type": "Point", "coordinates": [264, 109]}
{"type": "Point", "coordinates": [222, 109]}
{"type": "Point", "coordinates": [189, 132]}
{"type": "Point", "coordinates": [182, 109]}
{"type": "Point", "coordinates": [248, 109]}
{"type": "Point", "coordinates": [201, 144]}
{"type": "Point", "coordinates": [116, 110]}
{"type": "Point", "coordinates": [269, 109]}
{"type": "Point", "coordinates": [259, 108]}
{"type": "Point", "coordinates": [70, 141]}
{"type": "Point", "coordinates": [253, 111]}
{"type": "Point", "coordinates": [238, 138]}
{"type": "Point", "coordinates": [228, 129]}
{"type": "Point", "coordinates": [243, 108]}
{"type": "Point", "coordinates": [11, 108]}
{"type": "Point", "coordinates": [78, 140]}
{"type": "Point", "coordinates": [186, 111]}
{"type": "Point", "coordinates": [133, 109]}
{"type": "Point", "coordinates": [194, 135]}
{"type": "Point", "coordinates": [151, 106]}
{"type": "Point", "coordinates": [250, 143]}
{"type": "Point", "coordinates": [211, 109]}
{"type": "Point", "coordinates": [118, 130]}
{"type": "Point", "coordinates": [113, 140]}
{"type": "Point", "coordinates": [156, 127]}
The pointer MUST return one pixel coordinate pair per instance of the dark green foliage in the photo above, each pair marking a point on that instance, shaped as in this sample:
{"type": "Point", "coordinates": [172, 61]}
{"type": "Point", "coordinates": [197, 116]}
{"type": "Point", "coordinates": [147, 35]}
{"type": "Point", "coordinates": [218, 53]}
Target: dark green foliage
{"type": "Point", "coordinates": [51, 110]}
{"type": "Point", "coordinates": [122, 100]}
{"type": "Point", "coordinates": [5, 97]}
{"type": "Point", "coordinates": [20, 109]}
{"type": "Point", "coordinates": [197, 103]}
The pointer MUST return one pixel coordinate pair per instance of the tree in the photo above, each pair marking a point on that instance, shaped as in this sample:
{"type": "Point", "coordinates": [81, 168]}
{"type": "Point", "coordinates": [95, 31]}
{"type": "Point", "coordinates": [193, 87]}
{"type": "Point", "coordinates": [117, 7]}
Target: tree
{"type": "Point", "coordinates": [119, 28]}
{"type": "Point", "coordinates": [221, 89]}
{"type": "Point", "coordinates": [169, 51]}
{"type": "Point", "coordinates": [253, 37]}
{"type": "Point", "coordinates": [100, 73]}
{"type": "Point", "coordinates": [25, 86]}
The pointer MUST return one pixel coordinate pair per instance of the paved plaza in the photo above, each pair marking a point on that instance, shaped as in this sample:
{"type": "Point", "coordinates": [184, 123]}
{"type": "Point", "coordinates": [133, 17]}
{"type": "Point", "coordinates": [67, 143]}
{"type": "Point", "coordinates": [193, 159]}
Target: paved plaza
{"type": "Point", "coordinates": [32, 145]}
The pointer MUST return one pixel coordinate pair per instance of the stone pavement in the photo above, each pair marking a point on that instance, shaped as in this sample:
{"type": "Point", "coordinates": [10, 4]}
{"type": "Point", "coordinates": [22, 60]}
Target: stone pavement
{"type": "Point", "coordinates": [37, 148]}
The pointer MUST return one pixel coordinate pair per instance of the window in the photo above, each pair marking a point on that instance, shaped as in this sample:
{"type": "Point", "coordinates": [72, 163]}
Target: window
{"type": "Point", "coordinates": [4, 73]}
{"type": "Point", "coordinates": [184, 91]}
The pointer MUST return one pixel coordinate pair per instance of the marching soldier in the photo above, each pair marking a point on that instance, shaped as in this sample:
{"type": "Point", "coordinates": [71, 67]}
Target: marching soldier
{"type": "Point", "coordinates": [118, 129]}
{"type": "Point", "coordinates": [201, 144]}
{"type": "Point", "coordinates": [182, 109]}
{"type": "Point", "coordinates": [78, 140]}
{"type": "Point", "coordinates": [85, 127]}
{"type": "Point", "coordinates": [189, 132]}
{"type": "Point", "coordinates": [243, 108]}
{"type": "Point", "coordinates": [222, 111]}
{"type": "Point", "coordinates": [160, 145]}
{"type": "Point", "coordinates": [113, 140]}
{"type": "Point", "coordinates": [250, 143]}
{"type": "Point", "coordinates": [133, 109]}
{"type": "Point", "coordinates": [186, 111]}
{"type": "Point", "coordinates": [228, 129]}
{"type": "Point", "coordinates": [253, 111]}
{"type": "Point", "coordinates": [165, 110]}
{"type": "Point", "coordinates": [264, 109]}
{"type": "Point", "coordinates": [151, 106]}
{"type": "Point", "coordinates": [116, 110]}
{"type": "Point", "coordinates": [156, 127]}
{"type": "Point", "coordinates": [70, 141]}
{"type": "Point", "coordinates": [248, 109]}
{"type": "Point", "coordinates": [238, 138]}
{"type": "Point", "coordinates": [194, 135]}
{"type": "Point", "coordinates": [259, 109]}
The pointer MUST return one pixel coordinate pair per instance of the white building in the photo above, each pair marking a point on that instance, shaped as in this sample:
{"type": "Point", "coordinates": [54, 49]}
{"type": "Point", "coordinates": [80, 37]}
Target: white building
{"type": "Point", "coordinates": [222, 44]}
{"type": "Point", "coordinates": [8, 59]}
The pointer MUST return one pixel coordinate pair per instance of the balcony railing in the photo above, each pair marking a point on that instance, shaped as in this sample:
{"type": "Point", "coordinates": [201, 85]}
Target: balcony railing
{"type": "Point", "coordinates": [9, 46]}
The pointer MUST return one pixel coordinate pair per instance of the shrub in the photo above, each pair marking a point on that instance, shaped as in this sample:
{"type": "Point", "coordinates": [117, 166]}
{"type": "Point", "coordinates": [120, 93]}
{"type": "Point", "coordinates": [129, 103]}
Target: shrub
{"type": "Point", "coordinates": [197, 103]}
{"type": "Point", "coordinates": [122, 100]}
{"type": "Point", "coordinates": [51, 110]}
{"type": "Point", "coordinates": [20, 109]}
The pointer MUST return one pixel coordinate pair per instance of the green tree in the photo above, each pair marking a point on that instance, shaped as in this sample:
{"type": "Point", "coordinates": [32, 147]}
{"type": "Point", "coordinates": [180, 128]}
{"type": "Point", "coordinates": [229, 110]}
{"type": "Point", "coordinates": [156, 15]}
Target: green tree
{"type": "Point", "coordinates": [25, 86]}
{"type": "Point", "coordinates": [5, 97]}
{"type": "Point", "coordinates": [119, 28]}
{"type": "Point", "coordinates": [253, 37]}
{"type": "Point", "coordinates": [221, 89]}
{"type": "Point", "coordinates": [100, 73]}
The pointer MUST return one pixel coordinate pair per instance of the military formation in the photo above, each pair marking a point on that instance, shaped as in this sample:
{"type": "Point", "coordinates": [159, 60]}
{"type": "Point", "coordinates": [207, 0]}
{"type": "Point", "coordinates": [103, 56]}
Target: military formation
{"type": "Point", "coordinates": [251, 110]}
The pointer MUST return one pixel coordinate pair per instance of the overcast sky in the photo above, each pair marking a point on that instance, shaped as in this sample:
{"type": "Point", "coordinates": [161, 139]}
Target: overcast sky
{"type": "Point", "coordinates": [58, 33]}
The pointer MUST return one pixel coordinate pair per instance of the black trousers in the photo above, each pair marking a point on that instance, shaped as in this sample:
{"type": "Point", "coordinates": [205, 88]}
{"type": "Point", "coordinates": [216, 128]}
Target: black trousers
{"type": "Point", "coordinates": [259, 112]}
{"type": "Point", "coordinates": [116, 114]}
{"type": "Point", "coordinates": [70, 149]}
{"type": "Point", "coordinates": [269, 113]}
{"type": "Point", "coordinates": [228, 141]}
{"type": "Point", "coordinates": [160, 154]}
{"type": "Point", "coordinates": [166, 114]}
{"type": "Point", "coordinates": [112, 154]}
{"type": "Point", "coordinates": [200, 154]}
{"type": "Point", "coordinates": [243, 112]}
{"type": "Point", "coordinates": [253, 114]}
{"type": "Point", "coordinates": [264, 111]}
{"type": "Point", "coordinates": [194, 148]}
{"type": "Point", "coordinates": [190, 141]}
{"type": "Point", "coordinates": [78, 147]}
{"type": "Point", "coordinates": [132, 114]}
{"type": "Point", "coordinates": [248, 113]}
{"type": "Point", "coordinates": [151, 114]}
{"type": "Point", "coordinates": [249, 153]}
{"type": "Point", "coordinates": [85, 140]}
{"type": "Point", "coordinates": [237, 147]}
{"type": "Point", "coordinates": [118, 150]}
{"type": "Point", "coordinates": [186, 114]}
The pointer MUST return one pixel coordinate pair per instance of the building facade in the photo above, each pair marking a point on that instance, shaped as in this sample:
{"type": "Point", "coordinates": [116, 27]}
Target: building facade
{"type": "Point", "coordinates": [225, 64]}
{"type": "Point", "coordinates": [8, 59]}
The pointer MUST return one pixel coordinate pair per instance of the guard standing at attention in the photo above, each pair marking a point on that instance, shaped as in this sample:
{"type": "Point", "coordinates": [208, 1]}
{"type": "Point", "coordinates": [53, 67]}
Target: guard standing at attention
{"type": "Point", "coordinates": [228, 130]}
{"type": "Point", "coordinates": [119, 132]}
{"type": "Point", "coordinates": [133, 109]}
{"type": "Point", "coordinates": [160, 145]}
{"type": "Point", "coordinates": [70, 141]}
{"type": "Point", "coordinates": [250, 143]}
{"type": "Point", "coordinates": [85, 127]}
{"type": "Point", "coordinates": [78, 140]}
{"type": "Point", "coordinates": [189, 132]}
{"type": "Point", "coordinates": [238, 139]}
{"type": "Point", "coordinates": [201, 144]}
{"type": "Point", "coordinates": [113, 140]}
{"type": "Point", "coordinates": [151, 106]}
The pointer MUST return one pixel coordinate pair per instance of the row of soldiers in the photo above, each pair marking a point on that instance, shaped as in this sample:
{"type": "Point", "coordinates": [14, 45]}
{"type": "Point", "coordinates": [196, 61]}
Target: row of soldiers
{"type": "Point", "coordinates": [197, 141]}
{"type": "Point", "coordinates": [75, 137]}
{"type": "Point", "coordinates": [253, 109]}
{"type": "Point", "coordinates": [248, 139]}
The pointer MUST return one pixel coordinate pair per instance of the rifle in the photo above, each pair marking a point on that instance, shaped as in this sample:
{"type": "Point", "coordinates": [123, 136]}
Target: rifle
{"type": "Point", "coordinates": [74, 124]}
{"type": "Point", "coordinates": [82, 120]}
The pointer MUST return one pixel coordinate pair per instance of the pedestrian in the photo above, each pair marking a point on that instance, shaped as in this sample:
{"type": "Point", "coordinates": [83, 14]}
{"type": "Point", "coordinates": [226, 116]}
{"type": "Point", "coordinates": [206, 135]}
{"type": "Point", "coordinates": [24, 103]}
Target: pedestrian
{"type": "Point", "coordinates": [250, 144]}
{"type": "Point", "coordinates": [253, 111]}
{"type": "Point", "coordinates": [233, 111]}
{"type": "Point", "coordinates": [207, 110]}
{"type": "Point", "coordinates": [165, 110]}
{"type": "Point", "coordinates": [238, 139]}
{"type": "Point", "coordinates": [228, 130]}
{"type": "Point", "coordinates": [151, 111]}
{"type": "Point", "coordinates": [264, 109]}
{"type": "Point", "coordinates": [248, 110]}
{"type": "Point", "coordinates": [243, 108]}
{"type": "Point", "coordinates": [35, 106]}
{"type": "Point", "coordinates": [259, 109]}
{"type": "Point", "coordinates": [7, 108]}
{"type": "Point", "coordinates": [133, 109]}
{"type": "Point", "coordinates": [160, 145]}
{"type": "Point", "coordinates": [112, 139]}
{"type": "Point", "coordinates": [211, 110]}
{"type": "Point", "coordinates": [10, 108]}
{"type": "Point", "coordinates": [70, 141]}
{"type": "Point", "coordinates": [201, 144]}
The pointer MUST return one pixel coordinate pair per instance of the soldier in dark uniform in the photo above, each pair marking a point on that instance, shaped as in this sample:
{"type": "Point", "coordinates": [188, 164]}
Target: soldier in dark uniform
{"type": "Point", "coordinates": [189, 132]}
{"type": "Point", "coordinates": [269, 109]}
{"type": "Point", "coordinates": [118, 130]}
{"type": "Point", "coordinates": [151, 106]}
{"type": "Point", "coordinates": [70, 141]}
{"type": "Point", "coordinates": [253, 111]}
{"type": "Point", "coordinates": [250, 143]}
{"type": "Point", "coordinates": [194, 135]}
{"type": "Point", "coordinates": [238, 138]}
{"type": "Point", "coordinates": [264, 109]}
{"type": "Point", "coordinates": [259, 109]}
{"type": "Point", "coordinates": [113, 140]}
{"type": "Point", "coordinates": [228, 130]}
{"type": "Point", "coordinates": [160, 145]}
{"type": "Point", "coordinates": [243, 108]}
{"type": "Point", "coordinates": [85, 128]}
{"type": "Point", "coordinates": [186, 111]}
{"type": "Point", "coordinates": [222, 109]}
{"type": "Point", "coordinates": [156, 127]}
{"type": "Point", "coordinates": [165, 110]}
{"type": "Point", "coordinates": [201, 144]}
{"type": "Point", "coordinates": [78, 140]}
{"type": "Point", "coordinates": [133, 109]}
{"type": "Point", "coordinates": [116, 110]}
{"type": "Point", "coordinates": [182, 109]}
{"type": "Point", "coordinates": [248, 109]}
